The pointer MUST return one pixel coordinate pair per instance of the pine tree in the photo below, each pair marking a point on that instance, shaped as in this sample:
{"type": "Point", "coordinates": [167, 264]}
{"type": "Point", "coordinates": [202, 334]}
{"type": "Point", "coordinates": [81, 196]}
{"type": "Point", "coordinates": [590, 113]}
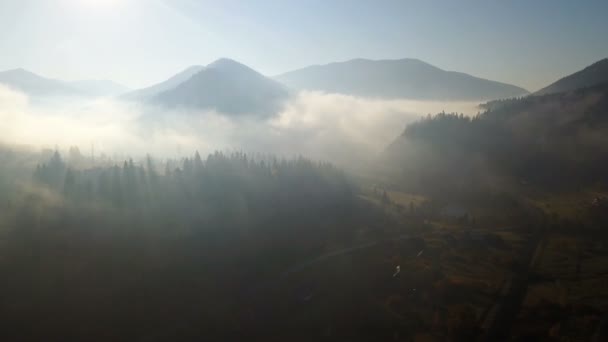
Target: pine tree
{"type": "Point", "coordinates": [69, 183]}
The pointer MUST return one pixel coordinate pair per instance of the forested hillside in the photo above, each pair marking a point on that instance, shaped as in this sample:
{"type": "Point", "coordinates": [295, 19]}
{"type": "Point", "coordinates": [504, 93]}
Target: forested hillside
{"type": "Point", "coordinates": [552, 141]}
{"type": "Point", "coordinates": [103, 243]}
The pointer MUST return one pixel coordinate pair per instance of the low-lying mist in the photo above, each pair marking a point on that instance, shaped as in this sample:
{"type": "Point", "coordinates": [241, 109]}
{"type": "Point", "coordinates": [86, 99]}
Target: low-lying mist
{"type": "Point", "coordinates": [345, 130]}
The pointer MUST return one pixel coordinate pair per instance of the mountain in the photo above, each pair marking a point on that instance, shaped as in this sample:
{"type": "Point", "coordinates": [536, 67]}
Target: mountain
{"type": "Point", "coordinates": [553, 141]}
{"type": "Point", "coordinates": [596, 73]}
{"type": "Point", "coordinates": [228, 87]}
{"type": "Point", "coordinates": [174, 81]}
{"type": "Point", "coordinates": [35, 85]}
{"type": "Point", "coordinates": [99, 87]}
{"type": "Point", "coordinates": [395, 79]}
{"type": "Point", "coordinates": [38, 86]}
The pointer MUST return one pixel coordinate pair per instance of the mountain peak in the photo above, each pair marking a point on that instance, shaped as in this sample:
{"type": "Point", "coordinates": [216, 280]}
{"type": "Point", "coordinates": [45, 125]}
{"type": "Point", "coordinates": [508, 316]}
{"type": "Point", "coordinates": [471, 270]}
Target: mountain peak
{"type": "Point", "coordinates": [20, 72]}
{"type": "Point", "coordinates": [224, 60]}
{"type": "Point", "coordinates": [228, 64]}
{"type": "Point", "coordinates": [357, 62]}
{"type": "Point", "coordinates": [228, 87]}
{"type": "Point", "coordinates": [406, 78]}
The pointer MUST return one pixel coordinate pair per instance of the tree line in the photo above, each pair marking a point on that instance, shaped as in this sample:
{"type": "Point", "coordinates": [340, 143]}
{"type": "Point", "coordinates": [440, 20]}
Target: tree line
{"type": "Point", "coordinates": [553, 141]}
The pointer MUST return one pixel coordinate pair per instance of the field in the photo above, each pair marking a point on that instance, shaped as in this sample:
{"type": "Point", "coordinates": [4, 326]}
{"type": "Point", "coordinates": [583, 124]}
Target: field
{"type": "Point", "coordinates": [459, 279]}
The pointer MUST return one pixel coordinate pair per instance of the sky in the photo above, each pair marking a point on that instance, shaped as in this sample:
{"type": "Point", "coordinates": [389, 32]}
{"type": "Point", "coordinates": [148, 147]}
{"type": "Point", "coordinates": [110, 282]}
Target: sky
{"type": "Point", "coordinates": [141, 42]}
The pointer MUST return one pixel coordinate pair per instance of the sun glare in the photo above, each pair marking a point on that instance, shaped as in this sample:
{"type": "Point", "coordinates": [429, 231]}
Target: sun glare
{"type": "Point", "coordinates": [100, 3]}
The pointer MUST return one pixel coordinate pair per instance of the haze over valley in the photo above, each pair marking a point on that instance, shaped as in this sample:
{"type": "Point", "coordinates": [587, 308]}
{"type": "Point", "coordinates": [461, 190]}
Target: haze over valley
{"type": "Point", "coordinates": [321, 171]}
{"type": "Point", "coordinates": [222, 106]}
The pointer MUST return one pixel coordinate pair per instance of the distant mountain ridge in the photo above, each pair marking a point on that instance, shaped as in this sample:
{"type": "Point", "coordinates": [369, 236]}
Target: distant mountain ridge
{"type": "Point", "coordinates": [36, 85]}
{"type": "Point", "coordinates": [595, 74]}
{"type": "Point", "coordinates": [553, 141]}
{"type": "Point", "coordinates": [396, 79]}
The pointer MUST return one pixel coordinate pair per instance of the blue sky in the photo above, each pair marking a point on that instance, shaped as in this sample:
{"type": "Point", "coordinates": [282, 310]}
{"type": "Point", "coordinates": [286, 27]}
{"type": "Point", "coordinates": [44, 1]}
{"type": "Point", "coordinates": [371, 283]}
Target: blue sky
{"type": "Point", "coordinates": [138, 42]}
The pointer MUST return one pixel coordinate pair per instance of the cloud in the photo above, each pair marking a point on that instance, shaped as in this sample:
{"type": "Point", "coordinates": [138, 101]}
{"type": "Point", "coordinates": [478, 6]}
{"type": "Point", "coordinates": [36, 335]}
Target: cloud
{"type": "Point", "coordinates": [339, 128]}
{"type": "Point", "coordinates": [347, 128]}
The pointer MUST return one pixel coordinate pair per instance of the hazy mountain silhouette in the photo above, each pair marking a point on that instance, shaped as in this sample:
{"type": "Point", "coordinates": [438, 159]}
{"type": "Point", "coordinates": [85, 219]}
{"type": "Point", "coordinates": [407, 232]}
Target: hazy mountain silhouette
{"type": "Point", "coordinates": [35, 85]}
{"type": "Point", "coordinates": [99, 87]}
{"type": "Point", "coordinates": [174, 81]}
{"type": "Point", "coordinates": [228, 87]}
{"type": "Point", "coordinates": [596, 73]}
{"type": "Point", "coordinates": [403, 78]}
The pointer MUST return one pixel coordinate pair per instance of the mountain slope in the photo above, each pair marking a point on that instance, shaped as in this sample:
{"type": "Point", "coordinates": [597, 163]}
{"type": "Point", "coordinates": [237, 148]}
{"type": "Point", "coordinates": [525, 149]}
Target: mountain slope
{"type": "Point", "coordinates": [174, 81]}
{"type": "Point", "coordinates": [35, 85]}
{"type": "Point", "coordinates": [228, 87]}
{"type": "Point", "coordinates": [554, 141]}
{"type": "Point", "coordinates": [403, 78]}
{"type": "Point", "coordinates": [596, 73]}
{"type": "Point", "coordinates": [38, 86]}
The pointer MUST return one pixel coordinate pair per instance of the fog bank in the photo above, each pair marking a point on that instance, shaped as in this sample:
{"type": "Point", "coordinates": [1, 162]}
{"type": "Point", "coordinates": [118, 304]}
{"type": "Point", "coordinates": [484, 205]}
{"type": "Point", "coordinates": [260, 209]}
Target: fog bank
{"type": "Point", "coordinates": [343, 129]}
